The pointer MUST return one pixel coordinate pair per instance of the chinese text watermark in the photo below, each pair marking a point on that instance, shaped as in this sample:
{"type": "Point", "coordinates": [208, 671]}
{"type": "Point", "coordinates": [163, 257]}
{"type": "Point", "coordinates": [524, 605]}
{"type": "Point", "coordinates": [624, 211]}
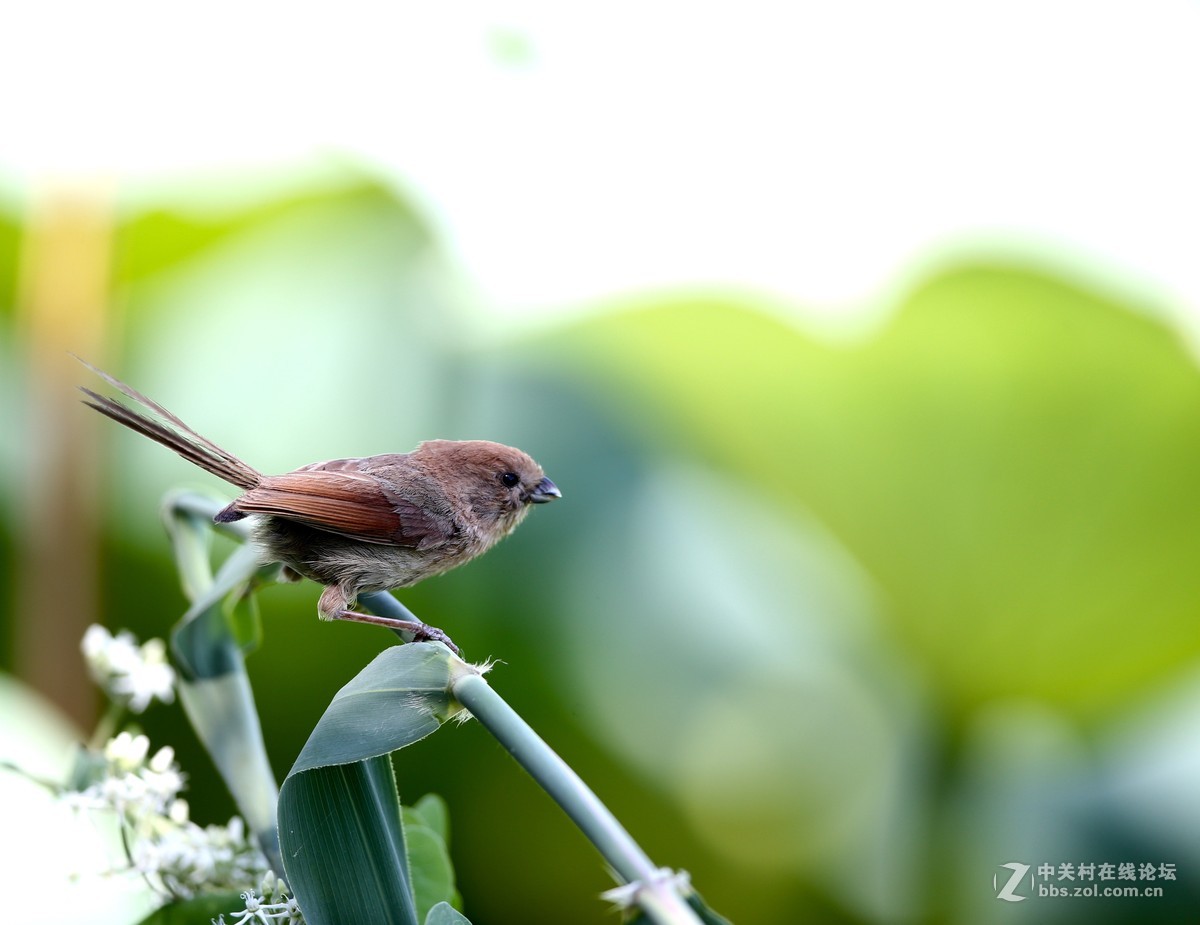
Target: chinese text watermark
{"type": "Point", "coordinates": [1016, 881]}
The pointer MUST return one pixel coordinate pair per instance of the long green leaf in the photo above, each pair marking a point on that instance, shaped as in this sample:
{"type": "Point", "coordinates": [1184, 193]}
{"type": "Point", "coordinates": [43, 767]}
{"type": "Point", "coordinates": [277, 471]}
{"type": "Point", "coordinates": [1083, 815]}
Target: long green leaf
{"type": "Point", "coordinates": [340, 824]}
{"type": "Point", "coordinates": [343, 844]}
{"type": "Point", "coordinates": [221, 711]}
{"type": "Point", "coordinates": [214, 687]}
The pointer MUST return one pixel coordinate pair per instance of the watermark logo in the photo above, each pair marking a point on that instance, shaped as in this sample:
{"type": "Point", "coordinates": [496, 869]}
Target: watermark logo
{"type": "Point", "coordinates": [1008, 892]}
{"type": "Point", "coordinates": [1016, 881]}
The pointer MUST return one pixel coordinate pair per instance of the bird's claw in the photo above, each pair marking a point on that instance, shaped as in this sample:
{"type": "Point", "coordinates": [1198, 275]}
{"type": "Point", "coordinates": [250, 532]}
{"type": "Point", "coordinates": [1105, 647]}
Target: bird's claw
{"type": "Point", "coordinates": [432, 634]}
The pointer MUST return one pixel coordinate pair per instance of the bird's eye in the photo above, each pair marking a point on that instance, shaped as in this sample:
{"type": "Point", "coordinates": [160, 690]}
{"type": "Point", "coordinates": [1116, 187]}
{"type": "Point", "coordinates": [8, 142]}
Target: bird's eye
{"type": "Point", "coordinates": [509, 479]}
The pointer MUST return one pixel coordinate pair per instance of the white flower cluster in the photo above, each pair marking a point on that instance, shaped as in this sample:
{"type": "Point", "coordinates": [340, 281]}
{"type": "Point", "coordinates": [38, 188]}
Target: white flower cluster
{"type": "Point", "coordinates": [271, 904]}
{"type": "Point", "coordinates": [130, 674]}
{"type": "Point", "coordinates": [131, 785]}
{"type": "Point", "coordinates": [164, 845]}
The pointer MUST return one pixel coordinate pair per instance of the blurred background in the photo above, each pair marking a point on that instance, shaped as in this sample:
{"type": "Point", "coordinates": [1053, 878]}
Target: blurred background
{"type": "Point", "coordinates": [859, 337]}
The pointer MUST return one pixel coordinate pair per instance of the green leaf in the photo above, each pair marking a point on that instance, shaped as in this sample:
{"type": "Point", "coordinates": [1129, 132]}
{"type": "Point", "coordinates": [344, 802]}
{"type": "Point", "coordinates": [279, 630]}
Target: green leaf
{"type": "Point", "coordinates": [10, 241]}
{"type": "Point", "coordinates": [432, 812]}
{"type": "Point", "coordinates": [191, 538]}
{"type": "Point", "coordinates": [425, 826]}
{"type": "Point", "coordinates": [340, 825]}
{"type": "Point", "coordinates": [221, 711]}
{"type": "Point", "coordinates": [152, 241]}
{"type": "Point", "coordinates": [1011, 457]}
{"type": "Point", "coordinates": [202, 640]}
{"type": "Point", "coordinates": [242, 614]}
{"type": "Point", "coordinates": [445, 914]}
{"type": "Point", "coordinates": [343, 844]}
{"type": "Point", "coordinates": [430, 868]}
{"type": "Point", "coordinates": [400, 697]}
{"type": "Point", "coordinates": [87, 767]}
{"type": "Point", "coordinates": [214, 687]}
{"type": "Point", "coordinates": [200, 910]}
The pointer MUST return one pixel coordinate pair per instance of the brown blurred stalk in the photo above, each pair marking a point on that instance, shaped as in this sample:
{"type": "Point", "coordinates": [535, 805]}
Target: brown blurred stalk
{"type": "Point", "coordinates": [63, 302]}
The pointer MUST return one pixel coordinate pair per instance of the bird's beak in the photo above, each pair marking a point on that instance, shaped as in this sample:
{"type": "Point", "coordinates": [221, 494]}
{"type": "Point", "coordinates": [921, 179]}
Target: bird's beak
{"type": "Point", "coordinates": [544, 491]}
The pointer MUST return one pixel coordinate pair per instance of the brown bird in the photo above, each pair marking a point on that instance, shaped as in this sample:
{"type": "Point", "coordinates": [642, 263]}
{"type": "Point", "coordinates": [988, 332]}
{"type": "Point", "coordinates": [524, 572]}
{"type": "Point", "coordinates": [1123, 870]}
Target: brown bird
{"type": "Point", "coordinates": [361, 525]}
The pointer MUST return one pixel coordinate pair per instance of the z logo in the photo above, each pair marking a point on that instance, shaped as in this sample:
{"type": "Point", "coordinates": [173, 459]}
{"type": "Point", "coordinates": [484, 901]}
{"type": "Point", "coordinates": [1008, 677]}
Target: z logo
{"type": "Point", "coordinates": [1008, 891]}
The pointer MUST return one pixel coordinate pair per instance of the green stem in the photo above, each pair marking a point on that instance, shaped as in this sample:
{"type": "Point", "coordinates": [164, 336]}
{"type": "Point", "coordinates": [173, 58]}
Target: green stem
{"type": "Point", "coordinates": [657, 895]}
{"type": "Point", "coordinates": [107, 726]}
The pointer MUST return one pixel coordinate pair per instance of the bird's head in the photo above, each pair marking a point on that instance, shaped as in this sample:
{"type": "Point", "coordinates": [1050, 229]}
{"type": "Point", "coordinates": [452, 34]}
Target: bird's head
{"type": "Point", "coordinates": [497, 482]}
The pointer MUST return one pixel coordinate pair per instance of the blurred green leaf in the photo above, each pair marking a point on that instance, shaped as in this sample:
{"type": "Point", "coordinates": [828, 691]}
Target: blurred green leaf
{"type": "Point", "coordinates": [203, 640]}
{"type": "Point", "coordinates": [429, 864]}
{"type": "Point", "coordinates": [444, 914]}
{"type": "Point", "coordinates": [200, 910]}
{"type": "Point", "coordinates": [159, 239]}
{"type": "Point", "coordinates": [430, 811]}
{"type": "Point", "coordinates": [191, 536]}
{"type": "Point", "coordinates": [214, 688]}
{"type": "Point", "coordinates": [221, 711]}
{"type": "Point", "coordinates": [242, 615]}
{"type": "Point", "coordinates": [10, 237]}
{"type": "Point", "coordinates": [87, 767]}
{"type": "Point", "coordinates": [1012, 458]}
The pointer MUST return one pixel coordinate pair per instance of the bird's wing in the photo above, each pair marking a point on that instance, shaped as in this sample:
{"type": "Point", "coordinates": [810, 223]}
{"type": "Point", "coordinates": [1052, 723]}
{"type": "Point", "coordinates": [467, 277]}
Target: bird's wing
{"type": "Point", "coordinates": [354, 505]}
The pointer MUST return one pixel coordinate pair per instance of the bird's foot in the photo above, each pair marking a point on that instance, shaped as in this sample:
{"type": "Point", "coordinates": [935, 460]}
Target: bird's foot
{"type": "Point", "coordinates": [420, 632]}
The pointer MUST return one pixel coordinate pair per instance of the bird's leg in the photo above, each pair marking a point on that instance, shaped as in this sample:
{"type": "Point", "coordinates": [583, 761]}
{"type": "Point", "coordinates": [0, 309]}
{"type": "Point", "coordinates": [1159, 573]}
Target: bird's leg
{"type": "Point", "coordinates": [334, 605]}
{"type": "Point", "coordinates": [421, 632]}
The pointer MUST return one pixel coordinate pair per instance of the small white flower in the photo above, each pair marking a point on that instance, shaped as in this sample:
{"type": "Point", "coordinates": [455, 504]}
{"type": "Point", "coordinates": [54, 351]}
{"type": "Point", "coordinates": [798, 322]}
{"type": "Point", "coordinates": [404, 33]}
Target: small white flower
{"type": "Point", "coordinates": [95, 641]}
{"type": "Point", "coordinates": [163, 787]}
{"type": "Point", "coordinates": [126, 752]}
{"type": "Point", "coordinates": [272, 905]}
{"type": "Point", "coordinates": [163, 759]}
{"type": "Point", "coordinates": [132, 675]}
{"type": "Point", "coordinates": [178, 812]}
{"type": "Point", "coordinates": [146, 855]}
{"type": "Point", "coordinates": [272, 886]}
{"type": "Point", "coordinates": [126, 794]}
{"type": "Point", "coordinates": [143, 681]}
{"type": "Point", "coordinates": [119, 654]}
{"type": "Point", "coordinates": [175, 855]}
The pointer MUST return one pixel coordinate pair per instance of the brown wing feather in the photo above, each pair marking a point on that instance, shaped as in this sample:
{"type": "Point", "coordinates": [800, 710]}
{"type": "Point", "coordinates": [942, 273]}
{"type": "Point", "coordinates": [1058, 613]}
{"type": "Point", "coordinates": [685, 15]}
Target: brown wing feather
{"type": "Point", "coordinates": [350, 504]}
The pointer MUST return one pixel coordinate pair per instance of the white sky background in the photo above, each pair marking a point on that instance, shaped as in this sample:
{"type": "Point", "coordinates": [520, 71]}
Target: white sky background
{"type": "Point", "coordinates": [812, 151]}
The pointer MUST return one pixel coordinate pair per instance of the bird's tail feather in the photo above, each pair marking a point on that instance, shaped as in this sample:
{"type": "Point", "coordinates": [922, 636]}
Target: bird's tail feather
{"type": "Point", "coordinates": [164, 427]}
